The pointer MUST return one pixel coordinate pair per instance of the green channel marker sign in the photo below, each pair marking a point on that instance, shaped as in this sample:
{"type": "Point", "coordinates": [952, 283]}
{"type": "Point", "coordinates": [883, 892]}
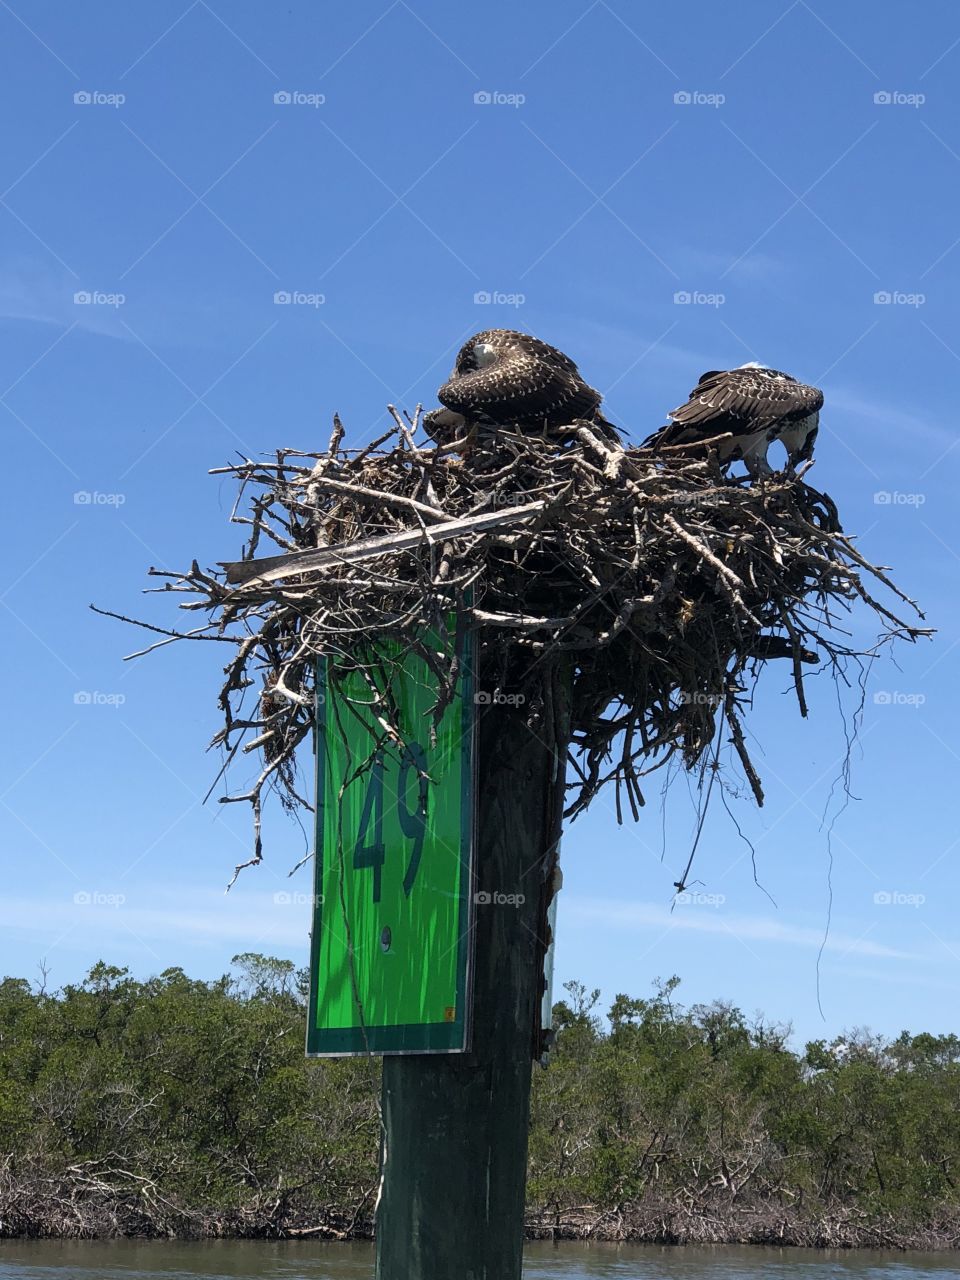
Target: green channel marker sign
{"type": "Point", "coordinates": [390, 958]}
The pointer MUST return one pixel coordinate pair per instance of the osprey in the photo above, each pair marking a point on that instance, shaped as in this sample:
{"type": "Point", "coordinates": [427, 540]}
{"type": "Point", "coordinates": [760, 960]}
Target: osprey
{"type": "Point", "coordinates": [505, 377]}
{"type": "Point", "coordinates": [756, 405]}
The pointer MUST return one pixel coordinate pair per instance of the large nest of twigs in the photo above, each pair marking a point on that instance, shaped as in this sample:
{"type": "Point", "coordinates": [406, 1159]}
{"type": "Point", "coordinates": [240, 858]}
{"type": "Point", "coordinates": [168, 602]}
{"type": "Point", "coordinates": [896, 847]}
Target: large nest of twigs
{"type": "Point", "coordinates": [660, 583]}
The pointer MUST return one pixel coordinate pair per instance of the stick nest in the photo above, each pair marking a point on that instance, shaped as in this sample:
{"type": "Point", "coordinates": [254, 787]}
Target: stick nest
{"type": "Point", "coordinates": [660, 584]}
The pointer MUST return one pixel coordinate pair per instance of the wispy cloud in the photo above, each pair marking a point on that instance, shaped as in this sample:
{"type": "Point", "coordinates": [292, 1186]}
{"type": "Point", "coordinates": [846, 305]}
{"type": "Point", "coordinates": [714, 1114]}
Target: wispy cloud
{"type": "Point", "coordinates": [163, 313]}
{"type": "Point", "coordinates": [709, 919]}
{"type": "Point", "coordinates": [31, 291]}
{"type": "Point", "coordinates": [109, 917]}
{"type": "Point", "coordinates": [898, 976]}
{"type": "Point", "coordinates": [754, 266]}
{"type": "Point", "coordinates": [621, 344]}
{"type": "Point", "coordinates": [894, 422]}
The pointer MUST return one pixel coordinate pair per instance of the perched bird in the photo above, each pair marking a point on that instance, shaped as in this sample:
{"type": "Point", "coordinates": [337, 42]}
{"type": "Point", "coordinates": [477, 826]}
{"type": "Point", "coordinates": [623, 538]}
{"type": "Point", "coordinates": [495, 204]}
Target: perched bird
{"type": "Point", "coordinates": [756, 405]}
{"type": "Point", "coordinates": [506, 377]}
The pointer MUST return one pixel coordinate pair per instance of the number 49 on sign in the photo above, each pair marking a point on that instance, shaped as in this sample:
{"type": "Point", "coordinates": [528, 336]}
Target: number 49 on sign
{"type": "Point", "coordinates": [390, 958]}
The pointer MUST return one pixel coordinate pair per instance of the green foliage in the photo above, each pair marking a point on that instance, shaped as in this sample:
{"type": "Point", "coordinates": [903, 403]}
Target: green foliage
{"type": "Point", "coordinates": [189, 1102]}
{"type": "Point", "coordinates": [185, 1107]}
{"type": "Point", "coordinates": [700, 1111]}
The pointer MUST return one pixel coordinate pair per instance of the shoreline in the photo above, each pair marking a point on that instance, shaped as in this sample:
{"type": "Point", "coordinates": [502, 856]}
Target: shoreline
{"type": "Point", "coordinates": [760, 1226]}
{"type": "Point", "coordinates": [663, 1225]}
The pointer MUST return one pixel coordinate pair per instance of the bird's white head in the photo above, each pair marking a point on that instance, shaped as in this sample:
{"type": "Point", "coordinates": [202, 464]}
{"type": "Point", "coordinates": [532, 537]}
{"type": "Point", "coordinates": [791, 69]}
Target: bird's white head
{"type": "Point", "coordinates": [484, 354]}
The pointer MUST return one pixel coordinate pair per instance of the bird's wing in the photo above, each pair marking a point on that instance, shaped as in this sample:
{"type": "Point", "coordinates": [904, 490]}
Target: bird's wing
{"type": "Point", "coordinates": [542, 351]}
{"type": "Point", "coordinates": [741, 400]}
{"type": "Point", "coordinates": [529, 379]}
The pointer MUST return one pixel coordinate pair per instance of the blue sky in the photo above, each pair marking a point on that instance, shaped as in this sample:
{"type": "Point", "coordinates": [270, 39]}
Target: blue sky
{"type": "Point", "coordinates": [586, 166]}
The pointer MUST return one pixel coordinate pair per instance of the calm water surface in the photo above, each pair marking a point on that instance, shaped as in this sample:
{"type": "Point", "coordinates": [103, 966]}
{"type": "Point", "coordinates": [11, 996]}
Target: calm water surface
{"type": "Point", "coordinates": [224, 1260]}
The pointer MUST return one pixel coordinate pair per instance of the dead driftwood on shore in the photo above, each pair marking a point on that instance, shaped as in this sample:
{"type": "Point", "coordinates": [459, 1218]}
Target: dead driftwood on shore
{"type": "Point", "coordinates": [101, 1199]}
{"type": "Point", "coordinates": [659, 583]}
{"type": "Point", "coordinates": [763, 1223]}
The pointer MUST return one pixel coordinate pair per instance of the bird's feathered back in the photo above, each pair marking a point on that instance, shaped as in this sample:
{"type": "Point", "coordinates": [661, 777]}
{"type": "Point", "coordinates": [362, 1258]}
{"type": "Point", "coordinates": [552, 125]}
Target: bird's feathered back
{"type": "Point", "coordinates": [525, 381]}
{"type": "Point", "coordinates": [740, 401]}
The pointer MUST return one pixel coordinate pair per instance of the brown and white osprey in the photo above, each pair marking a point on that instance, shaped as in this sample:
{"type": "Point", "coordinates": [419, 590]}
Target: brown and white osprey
{"type": "Point", "coordinates": [756, 405]}
{"type": "Point", "coordinates": [505, 377]}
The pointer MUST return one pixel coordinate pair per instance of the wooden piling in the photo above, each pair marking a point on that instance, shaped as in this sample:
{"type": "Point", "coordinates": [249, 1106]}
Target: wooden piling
{"type": "Point", "coordinates": [454, 1144]}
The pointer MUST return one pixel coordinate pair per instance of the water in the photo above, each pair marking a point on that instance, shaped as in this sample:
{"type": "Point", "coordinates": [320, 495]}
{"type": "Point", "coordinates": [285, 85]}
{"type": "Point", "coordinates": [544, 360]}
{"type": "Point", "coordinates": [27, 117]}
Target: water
{"type": "Point", "coordinates": [298, 1260]}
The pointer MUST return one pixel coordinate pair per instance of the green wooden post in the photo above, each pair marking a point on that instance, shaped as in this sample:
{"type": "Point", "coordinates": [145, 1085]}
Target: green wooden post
{"type": "Point", "coordinates": [454, 1144]}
